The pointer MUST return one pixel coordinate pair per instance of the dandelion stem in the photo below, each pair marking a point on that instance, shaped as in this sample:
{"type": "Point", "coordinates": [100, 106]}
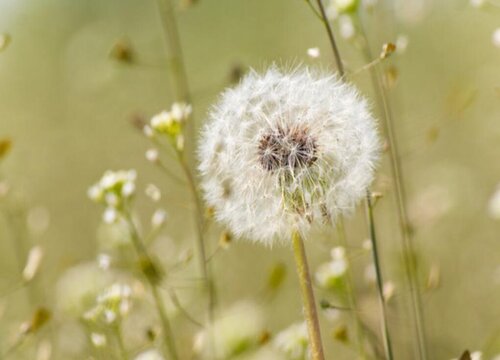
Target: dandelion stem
{"type": "Point", "coordinates": [309, 303]}
{"type": "Point", "coordinates": [369, 209]}
{"type": "Point", "coordinates": [400, 193]}
{"type": "Point", "coordinates": [351, 296]}
{"type": "Point", "coordinates": [333, 43]}
{"type": "Point", "coordinates": [165, 323]}
{"type": "Point", "coordinates": [378, 271]}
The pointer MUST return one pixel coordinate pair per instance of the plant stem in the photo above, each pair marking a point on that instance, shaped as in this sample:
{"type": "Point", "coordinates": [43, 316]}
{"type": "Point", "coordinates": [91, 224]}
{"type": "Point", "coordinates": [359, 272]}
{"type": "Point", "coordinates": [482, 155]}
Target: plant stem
{"type": "Point", "coordinates": [121, 344]}
{"type": "Point", "coordinates": [400, 194]}
{"type": "Point", "coordinates": [380, 283]}
{"type": "Point", "coordinates": [351, 297]}
{"type": "Point", "coordinates": [141, 250]}
{"type": "Point", "coordinates": [369, 210]}
{"type": "Point", "coordinates": [309, 303]}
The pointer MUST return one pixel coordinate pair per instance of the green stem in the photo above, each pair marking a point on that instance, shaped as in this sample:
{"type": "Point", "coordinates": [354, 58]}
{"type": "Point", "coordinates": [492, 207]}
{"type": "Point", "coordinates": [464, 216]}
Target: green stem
{"type": "Point", "coordinates": [351, 297]}
{"type": "Point", "coordinates": [380, 283]}
{"type": "Point", "coordinates": [309, 303]}
{"type": "Point", "coordinates": [400, 194]}
{"type": "Point", "coordinates": [121, 344]}
{"type": "Point", "coordinates": [141, 250]}
{"type": "Point", "coordinates": [385, 329]}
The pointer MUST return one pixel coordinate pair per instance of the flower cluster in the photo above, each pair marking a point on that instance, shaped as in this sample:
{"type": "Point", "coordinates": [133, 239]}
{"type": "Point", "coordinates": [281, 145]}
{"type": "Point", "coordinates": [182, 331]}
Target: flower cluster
{"type": "Point", "coordinates": [113, 304]}
{"type": "Point", "coordinates": [113, 190]}
{"type": "Point", "coordinates": [293, 341]}
{"type": "Point", "coordinates": [285, 150]}
{"type": "Point", "coordinates": [170, 124]}
{"type": "Point", "coordinates": [330, 275]}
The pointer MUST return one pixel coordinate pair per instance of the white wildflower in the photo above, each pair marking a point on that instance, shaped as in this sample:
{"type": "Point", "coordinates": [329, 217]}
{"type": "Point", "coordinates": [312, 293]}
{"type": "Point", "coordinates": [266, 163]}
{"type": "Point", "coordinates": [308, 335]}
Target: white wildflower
{"type": "Point", "coordinates": [98, 340]}
{"type": "Point", "coordinates": [153, 192]}
{"type": "Point", "coordinates": [402, 43]}
{"type": "Point", "coordinates": [345, 5]}
{"type": "Point", "coordinates": [181, 111]}
{"type": "Point", "coordinates": [238, 330]}
{"type": "Point", "coordinates": [495, 37]}
{"type": "Point", "coordinates": [283, 151]}
{"type": "Point", "coordinates": [313, 52]}
{"type": "Point", "coordinates": [170, 122]}
{"type": "Point", "coordinates": [159, 217]}
{"type": "Point", "coordinates": [149, 355]}
{"type": "Point", "coordinates": [152, 155]}
{"type": "Point", "coordinates": [346, 27]}
{"type": "Point", "coordinates": [330, 274]}
{"type": "Point", "coordinates": [293, 341]}
{"type": "Point", "coordinates": [33, 263]}
{"type": "Point", "coordinates": [110, 215]}
{"type": "Point", "coordinates": [104, 261]}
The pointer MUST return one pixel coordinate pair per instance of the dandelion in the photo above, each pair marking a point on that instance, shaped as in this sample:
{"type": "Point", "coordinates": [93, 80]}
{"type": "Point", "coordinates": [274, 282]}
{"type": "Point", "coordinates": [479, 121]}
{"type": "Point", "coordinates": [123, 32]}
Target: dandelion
{"type": "Point", "coordinates": [293, 341]}
{"type": "Point", "coordinates": [283, 151]}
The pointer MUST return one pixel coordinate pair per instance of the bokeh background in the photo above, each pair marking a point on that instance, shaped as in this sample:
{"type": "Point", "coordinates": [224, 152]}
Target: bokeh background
{"type": "Point", "coordinates": [67, 106]}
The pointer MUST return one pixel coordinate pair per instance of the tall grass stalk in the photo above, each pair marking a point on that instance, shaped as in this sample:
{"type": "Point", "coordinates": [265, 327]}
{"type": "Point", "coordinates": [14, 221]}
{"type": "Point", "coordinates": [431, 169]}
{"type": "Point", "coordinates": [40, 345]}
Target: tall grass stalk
{"type": "Point", "coordinates": [368, 202]}
{"type": "Point", "coordinates": [382, 101]}
{"type": "Point", "coordinates": [168, 335]}
{"type": "Point", "coordinates": [308, 300]}
{"type": "Point", "coordinates": [180, 86]}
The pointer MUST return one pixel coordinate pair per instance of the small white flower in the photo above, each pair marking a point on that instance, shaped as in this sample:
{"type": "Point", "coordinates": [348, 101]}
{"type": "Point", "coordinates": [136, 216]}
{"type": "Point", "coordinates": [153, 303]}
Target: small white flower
{"type": "Point", "coordinates": [111, 199]}
{"type": "Point", "coordinates": [293, 341]}
{"type": "Point", "coordinates": [237, 330]}
{"type": "Point", "coordinates": [110, 215]}
{"type": "Point", "coordinates": [346, 27]}
{"type": "Point", "coordinates": [95, 193]}
{"type": "Point", "coordinates": [495, 37]}
{"type": "Point", "coordinates": [149, 355]}
{"type": "Point", "coordinates": [338, 253]}
{"type": "Point", "coordinates": [476, 355]}
{"type": "Point", "coordinates": [313, 52]}
{"type": "Point", "coordinates": [477, 3]}
{"type": "Point", "coordinates": [148, 131]}
{"type": "Point", "coordinates": [389, 289]}
{"type": "Point", "coordinates": [104, 261]}
{"type": "Point", "coordinates": [98, 340]}
{"type": "Point", "coordinates": [283, 151]}
{"type": "Point", "coordinates": [161, 121]}
{"type": "Point", "coordinates": [402, 43]}
{"type": "Point", "coordinates": [159, 217]}
{"type": "Point", "coordinates": [152, 155]}
{"type": "Point", "coordinates": [153, 192]}
{"type": "Point", "coordinates": [128, 189]}
{"type": "Point", "coordinates": [330, 273]}
{"type": "Point", "coordinates": [181, 111]}
{"type": "Point", "coordinates": [35, 257]}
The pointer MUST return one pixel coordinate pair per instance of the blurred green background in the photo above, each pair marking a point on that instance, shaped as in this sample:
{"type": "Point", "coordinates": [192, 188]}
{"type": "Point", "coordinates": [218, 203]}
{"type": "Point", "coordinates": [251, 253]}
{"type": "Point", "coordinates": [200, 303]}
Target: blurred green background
{"type": "Point", "coordinates": [66, 105]}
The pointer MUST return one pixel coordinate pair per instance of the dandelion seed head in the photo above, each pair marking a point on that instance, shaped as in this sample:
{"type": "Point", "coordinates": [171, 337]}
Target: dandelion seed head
{"type": "Point", "coordinates": [283, 151]}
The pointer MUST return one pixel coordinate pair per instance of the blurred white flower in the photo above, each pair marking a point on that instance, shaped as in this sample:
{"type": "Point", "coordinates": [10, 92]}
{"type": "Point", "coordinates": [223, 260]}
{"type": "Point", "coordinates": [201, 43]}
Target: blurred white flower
{"type": "Point", "coordinates": [38, 220]}
{"type": "Point", "coordinates": [477, 3]}
{"type": "Point", "coordinates": [98, 340]}
{"type": "Point", "coordinates": [153, 192]}
{"type": "Point", "coordinates": [494, 204]}
{"type": "Point", "coordinates": [346, 27]}
{"type": "Point", "coordinates": [495, 37]}
{"type": "Point", "coordinates": [112, 304]}
{"type": "Point", "coordinates": [293, 341]}
{"type": "Point", "coordinates": [329, 274]}
{"type": "Point", "coordinates": [152, 155]}
{"type": "Point", "coordinates": [35, 257]}
{"type": "Point", "coordinates": [170, 122]}
{"type": "Point", "coordinates": [389, 289]}
{"type": "Point", "coordinates": [285, 150]}
{"type": "Point", "coordinates": [104, 261]}
{"type": "Point", "coordinates": [313, 52]}
{"type": "Point", "coordinates": [402, 43]}
{"type": "Point", "coordinates": [236, 331]}
{"type": "Point", "coordinates": [159, 217]}
{"type": "Point", "coordinates": [149, 355]}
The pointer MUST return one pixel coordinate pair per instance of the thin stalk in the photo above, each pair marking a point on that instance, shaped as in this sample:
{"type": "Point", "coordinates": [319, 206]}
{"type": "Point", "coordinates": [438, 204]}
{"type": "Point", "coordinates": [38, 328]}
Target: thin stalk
{"type": "Point", "coordinates": [380, 284]}
{"type": "Point", "coordinates": [121, 344]}
{"type": "Point", "coordinates": [385, 329]}
{"type": "Point", "coordinates": [351, 296]}
{"type": "Point", "coordinates": [176, 65]}
{"type": "Point", "coordinates": [309, 303]}
{"type": "Point", "coordinates": [382, 100]}
{"type": "Point", "coordinates": [141, 250]}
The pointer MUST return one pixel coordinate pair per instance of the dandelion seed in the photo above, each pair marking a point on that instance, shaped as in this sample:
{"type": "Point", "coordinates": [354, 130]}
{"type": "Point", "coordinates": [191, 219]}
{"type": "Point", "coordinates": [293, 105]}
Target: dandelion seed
{"type": "Point", "coordinates": [293, 341]}
{"type": "Point", "coordinates": [284, 151]}
{"type": "Point", "coordinates": [495, 37]}
{"type": "Point", "coordinates": [313, 52]}
{"type": "Point", "coordinates": [98, 340]}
